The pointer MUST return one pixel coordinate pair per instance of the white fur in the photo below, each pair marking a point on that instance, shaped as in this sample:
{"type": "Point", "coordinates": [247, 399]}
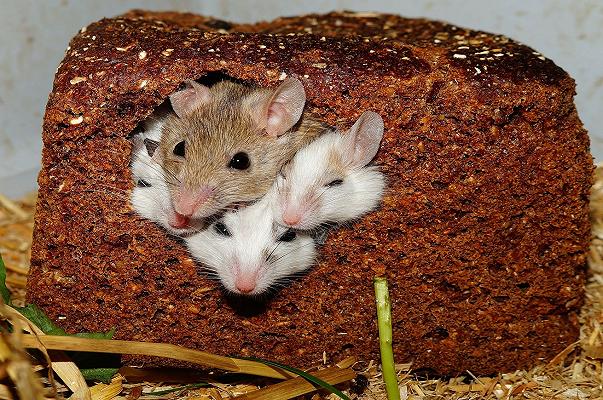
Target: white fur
{"type": "Point", "coordinates": [302, 188]}
{"type": "Point", "coordinates": [253, 249]}
{"type": "Point", "coordinates": [153, 202]}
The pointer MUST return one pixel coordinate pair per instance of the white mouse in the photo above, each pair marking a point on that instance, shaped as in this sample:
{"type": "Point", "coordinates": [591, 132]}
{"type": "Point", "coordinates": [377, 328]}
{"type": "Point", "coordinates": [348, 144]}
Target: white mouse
{"type": "Point", "coordinates": [150, 197]}
{"type": "Point", "coordinates": [329, 180]}
{"type": "Point", "coordinates": [249, 252]}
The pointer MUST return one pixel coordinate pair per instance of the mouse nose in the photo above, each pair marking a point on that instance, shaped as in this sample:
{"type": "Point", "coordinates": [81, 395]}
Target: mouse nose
{"type": "Point", "coordinates": [245, 281]}
{"type": "Point", "coordinates": [180, 221]}
{"type": "Point", "coordinates": [188, 201]}
{"type": "Point", "coordinates": [245, 286]}
{"type": "Point", "coordinates": [291, 218]}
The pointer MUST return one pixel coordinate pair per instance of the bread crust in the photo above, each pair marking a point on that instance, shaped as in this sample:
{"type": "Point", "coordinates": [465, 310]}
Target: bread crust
{"type": "Point", "coordinates": [482, 234]}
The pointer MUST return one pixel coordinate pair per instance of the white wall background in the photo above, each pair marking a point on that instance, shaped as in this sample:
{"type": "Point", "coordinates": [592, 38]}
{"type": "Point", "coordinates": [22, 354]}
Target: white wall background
{"type": "Point", "coordinates": [34, 34]}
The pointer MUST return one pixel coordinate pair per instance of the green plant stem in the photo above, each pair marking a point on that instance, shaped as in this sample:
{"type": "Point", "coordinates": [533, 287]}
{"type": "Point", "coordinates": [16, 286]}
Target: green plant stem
{"type": "Point", "coordinates": [384, 318]}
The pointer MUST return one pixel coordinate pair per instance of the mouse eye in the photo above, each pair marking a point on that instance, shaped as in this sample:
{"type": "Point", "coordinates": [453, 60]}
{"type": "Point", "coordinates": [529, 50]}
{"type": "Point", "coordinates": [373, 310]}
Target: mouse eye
{"type": "Point", "coordinates": [336, 182]}
{"type": "Point", "coordinates": [142, 183]}
{"type": "Point", "coordinates": [179, 149]}
{"type": "Point", "coordinates": [239, 161]}
{"type": "Point", "coordinates": [288, 236]}
{"type": "Point", "coordinates": [221, 229]}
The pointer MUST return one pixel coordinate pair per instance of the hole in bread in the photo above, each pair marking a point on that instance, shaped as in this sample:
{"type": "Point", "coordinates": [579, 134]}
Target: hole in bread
{"type": "Point", "coordinates": [500, 299]}
{"type": "Point", "coordinates": [159, 314]}
{"type": "Point", "coordinates": [125, 108]}
{"type": "Point", "coordinates": [347, 348]}
{"type": "Point", "coordinates": [496, 267]}
{"type": "Point", "coordinates": [544, 249]}
{"type": "Point", "coordinates": [172, 261]}
{"type": "Point", "coordinates": [439, 333]}
{"type": "Point", "coordinates": [439, 185]}
{"type": "Point", "coordinates": [434, 91]}
{"type": "Point", "coordinates": [523, 286]}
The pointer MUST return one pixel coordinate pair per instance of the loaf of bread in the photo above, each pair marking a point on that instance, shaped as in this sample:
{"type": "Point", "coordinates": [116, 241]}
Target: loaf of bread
{"type": "Point", "coordinates": [482, 233]}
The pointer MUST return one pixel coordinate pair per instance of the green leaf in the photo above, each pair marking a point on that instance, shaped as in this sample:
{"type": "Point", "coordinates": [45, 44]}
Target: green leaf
{"type": "Point", "coordinates": [96, 335]}
{"type": "Point", "coordinates": [41, 320]}
{"type": "Point", "coordinates": [37, 316]}
{"type": "Point", "coordinates": [87, 362]}
{"type": "Point", "coordinates": [99, 374]}
{"type": "Point", "coordinates": [3, 289]}
{"type": "Point", "coordinates": [309, 377]}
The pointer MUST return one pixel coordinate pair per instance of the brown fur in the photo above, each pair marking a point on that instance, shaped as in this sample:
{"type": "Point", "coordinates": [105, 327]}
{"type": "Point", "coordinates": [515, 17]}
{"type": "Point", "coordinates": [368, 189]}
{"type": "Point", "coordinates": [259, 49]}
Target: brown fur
{"type": "Point", "coordinates": [217, 131]}
{"type": "Point", "coordinates": [338, 165]}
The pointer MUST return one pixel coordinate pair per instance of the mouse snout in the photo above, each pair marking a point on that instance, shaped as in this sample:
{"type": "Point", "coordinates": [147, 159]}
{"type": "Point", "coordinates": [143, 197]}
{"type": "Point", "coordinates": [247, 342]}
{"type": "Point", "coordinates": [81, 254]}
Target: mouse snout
{"type": "Point", "coordinates": [246, 282]}
{"type": "Point", "coordinates": [179, 221]}
{"type": "Point", "coordinates": [189, 201]}
{"type": "Point", "coordinates": [291, 217]}
{"type": "Point", "coordinates": [293, 213]}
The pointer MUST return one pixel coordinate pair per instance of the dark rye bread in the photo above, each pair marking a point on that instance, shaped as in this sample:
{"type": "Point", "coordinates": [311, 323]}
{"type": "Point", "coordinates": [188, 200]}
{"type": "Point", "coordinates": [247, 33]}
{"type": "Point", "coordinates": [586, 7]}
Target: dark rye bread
{"type": "Point", "coordinates": [482, 234]}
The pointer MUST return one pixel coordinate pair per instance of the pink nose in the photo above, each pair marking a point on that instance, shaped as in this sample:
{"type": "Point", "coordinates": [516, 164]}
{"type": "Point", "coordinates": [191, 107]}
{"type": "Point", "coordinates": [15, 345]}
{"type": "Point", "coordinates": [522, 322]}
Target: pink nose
{"type": "Point", "coordinates": [188, 201]}
{"type": "Point", "coordinates": [290, 218]}
{"type": "Point", "coordinates": [245, 284]}
{"type": "Point", "coordinates": [180, 221]}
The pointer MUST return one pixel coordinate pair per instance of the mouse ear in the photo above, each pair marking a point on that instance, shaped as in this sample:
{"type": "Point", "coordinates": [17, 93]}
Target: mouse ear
{"type": "Point", "coordinates": [282, 109]}
{"type": "Point", "coordinates": [187, 100]}
{"type": "Point", "coordinates": [363, 139]}
{"type": "Point", "coordinates": [151, 146]}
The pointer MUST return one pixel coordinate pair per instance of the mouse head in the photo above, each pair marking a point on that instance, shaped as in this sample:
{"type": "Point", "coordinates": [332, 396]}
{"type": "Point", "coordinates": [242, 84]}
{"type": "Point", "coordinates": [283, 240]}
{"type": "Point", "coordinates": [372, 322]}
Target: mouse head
{"type": "Point", "coordinates": [329, 181]}
{"type": "Point", "coordinates": [150, 197]}
{"type": "Point", "coordinates": [249, 252]}
{"type": "Point", "coordinates": [225, 144]}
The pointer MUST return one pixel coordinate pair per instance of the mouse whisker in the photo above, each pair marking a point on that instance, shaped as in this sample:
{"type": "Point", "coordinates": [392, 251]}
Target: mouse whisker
{"type": "Point", "coordinates": [273, 250]}
{"type": "Point", "coordinates": [166, 174]}
{"type": "Point", "coordinates": [155, 166]}
{"type": "Point", "coordinates": [293, 250]}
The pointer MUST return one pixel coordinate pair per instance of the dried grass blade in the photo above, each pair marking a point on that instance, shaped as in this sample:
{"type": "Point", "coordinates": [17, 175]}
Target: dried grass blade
{"type": "Point", "coordinates": [5, 393]}
{"type": "Point", "coordinates": [19, 370]}
{"type": "Point", "coordinates": [306, 375]}
{"type": "Point", "coordinates": [103, 391]}
{"type": "Point", "coordinates": [559, 358]}
{"type": "Point", "coordinates": [475, 387]}
{"type": "Point", "coordinates": [15, 363]}
{"type": "Point", "coordinates": [23, 270]}
{"type": "Point", "coordinates": [299, 386]}
{"type": "Point", "coordinates": [164, 350]}
{"type": "Point", "coordinates": [70, 374]}
{"type": "Point", "coordinates": [13, 208]}
{"type": "Point", "coordinates": [61, 363]}
{"type": "Point", "coordinates": [17, 281]}
{"type": "Point", "coordinates": [347, 362]}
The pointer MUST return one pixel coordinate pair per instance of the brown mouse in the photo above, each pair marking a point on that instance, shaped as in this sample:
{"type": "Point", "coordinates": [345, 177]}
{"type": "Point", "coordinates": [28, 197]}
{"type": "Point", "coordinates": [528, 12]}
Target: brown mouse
{"type": "Point", "coordinates": [225, 144]}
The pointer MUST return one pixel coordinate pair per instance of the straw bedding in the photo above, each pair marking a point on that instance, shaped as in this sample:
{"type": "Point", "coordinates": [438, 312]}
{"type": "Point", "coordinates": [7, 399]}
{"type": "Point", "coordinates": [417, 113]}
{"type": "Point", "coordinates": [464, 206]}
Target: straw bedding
{"type": "Point", "coordinates": [576, 373]}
